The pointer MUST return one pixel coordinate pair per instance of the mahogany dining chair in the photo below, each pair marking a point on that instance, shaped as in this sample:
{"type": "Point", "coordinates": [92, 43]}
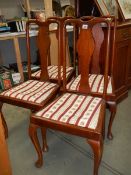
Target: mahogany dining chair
{"type": "Point", "coordinates": [81, 113]}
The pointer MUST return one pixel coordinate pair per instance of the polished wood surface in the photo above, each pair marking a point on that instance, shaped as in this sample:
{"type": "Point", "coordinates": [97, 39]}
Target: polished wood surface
{"type": "Point", "coordinates": [5, 165]}
{"type": "Point", "coordinates": [122, 60]}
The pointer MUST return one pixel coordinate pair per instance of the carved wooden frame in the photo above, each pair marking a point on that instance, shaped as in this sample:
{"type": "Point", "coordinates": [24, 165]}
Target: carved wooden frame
{"type": "Point", "coordinates": [123, 6]}
{"type": "Point", "coordinates": [102, 7]}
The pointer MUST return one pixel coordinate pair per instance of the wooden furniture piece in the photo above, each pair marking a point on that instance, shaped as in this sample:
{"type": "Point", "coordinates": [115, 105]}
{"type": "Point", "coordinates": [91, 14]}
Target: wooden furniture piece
{"type": "Point", "coordinates": [53, 68]}
{"type": "Point", "coordinates": [27, 6]}
{"type": "Point", "coordinates": [33, 94]}
{"type": "Point", "coordinates": [15, 37]}
{"type": "Point", "coordinates": [96, 76]}
{"type": "Point", "coordinates": [128, 38]}
{"type": "Point", "coordinates": [79, 114]}
{"type": "Point", "coordinates": [5, 166]}
{"type": "Point", "coordinates": [122, 60]}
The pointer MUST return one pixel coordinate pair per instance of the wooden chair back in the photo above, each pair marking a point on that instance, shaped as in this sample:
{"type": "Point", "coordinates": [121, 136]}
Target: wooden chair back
{"type": "Point", "coordinates": [97, 65]}
{"type": "Point", "coordinates": [43, 44]}
{"type": "Point", "coordinates": [88, 45]}
{"type": "Point", "coordinates": [61, 21]}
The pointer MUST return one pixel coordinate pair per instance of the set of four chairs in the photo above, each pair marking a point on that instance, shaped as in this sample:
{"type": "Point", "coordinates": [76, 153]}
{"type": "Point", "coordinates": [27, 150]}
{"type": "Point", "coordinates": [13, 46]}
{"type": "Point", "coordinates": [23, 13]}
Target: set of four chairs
{"type": "Point", "coordinates": [70, 99]}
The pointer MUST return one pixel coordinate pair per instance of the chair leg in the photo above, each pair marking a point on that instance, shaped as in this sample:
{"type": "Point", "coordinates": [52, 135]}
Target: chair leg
{"type": "Point", "coordinates": [34, 138]}
{"type": "Point", "coordinates": [3, 122]}
{"type": "Point", "coordinates": [45, 146]}
{"type": "Point", "coordinates": [112, 108]}
{"type": "Point", "coordinates": [103, 129]}
{"type": "Point", "coordinates": [4, 125]}
{"type": "Point", "coordinates": [97, 147]}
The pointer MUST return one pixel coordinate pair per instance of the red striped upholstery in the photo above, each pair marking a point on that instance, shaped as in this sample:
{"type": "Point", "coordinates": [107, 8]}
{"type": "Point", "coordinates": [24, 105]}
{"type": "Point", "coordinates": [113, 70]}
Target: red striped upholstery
{"type": "Point", "coordinates": [73, 109]}
{"type": "Point", "coordinates": [96, 83]}
{"type": "Point", "coordinates": [32, 91]}
{"type": "Point", "coordinates": [53, 72]}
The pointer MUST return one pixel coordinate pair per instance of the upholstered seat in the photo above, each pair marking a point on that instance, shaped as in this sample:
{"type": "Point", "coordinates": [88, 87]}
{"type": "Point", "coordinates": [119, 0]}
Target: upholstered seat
{"type": "Point", "coordinates": [31, 91]}
{"type": "Point", "coordinates": [53, 72]}
{"type": "Point", "coordinates": [73, 109]}
{"type": "Point", "coordinates": [96, 82]}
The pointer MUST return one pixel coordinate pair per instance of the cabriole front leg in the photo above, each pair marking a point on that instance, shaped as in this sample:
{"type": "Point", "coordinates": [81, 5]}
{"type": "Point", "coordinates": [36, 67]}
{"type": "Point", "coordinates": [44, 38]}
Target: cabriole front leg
{"type": "Point", "coordinates": [45, 146]}
{"type": "Point", "coordinates": [34, 138]}
{"type": "Point", "coordinates": [3, 121]}
{"type": "Point", "coordinates": [97, 147]}
{"type": "Point", "coordinates": [112, 108]}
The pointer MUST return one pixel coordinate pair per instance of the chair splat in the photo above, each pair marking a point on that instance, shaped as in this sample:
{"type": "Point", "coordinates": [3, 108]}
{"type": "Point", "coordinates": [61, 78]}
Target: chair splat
{"type": "Point", "coordinates": [85, 48]}
{"type": "Point", "coordinates": [43, 42]}
{"type": "Point", "coordinates": [95, 67]}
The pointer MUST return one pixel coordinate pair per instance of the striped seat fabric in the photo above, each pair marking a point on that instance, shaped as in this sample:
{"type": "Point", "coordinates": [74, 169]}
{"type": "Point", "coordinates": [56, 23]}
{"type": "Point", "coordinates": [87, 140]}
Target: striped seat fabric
{"type": "Point", "coordinates": [53, 72]}
{"type": "Point", "coordinates": [31, 91]}
{"type": "Point", "coordinates": [96, 83]}
{"type": "Point", "coordinates": [73, 109]}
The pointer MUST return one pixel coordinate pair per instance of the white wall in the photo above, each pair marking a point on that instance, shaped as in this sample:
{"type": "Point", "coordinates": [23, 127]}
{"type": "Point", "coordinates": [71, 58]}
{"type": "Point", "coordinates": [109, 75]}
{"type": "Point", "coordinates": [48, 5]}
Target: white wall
{"type": "Point", "coordinates": [67, 2]}
{"type": "Point", "coordinates": [37, 4]}
{"type": "Point", "coordinates": [12, 8]}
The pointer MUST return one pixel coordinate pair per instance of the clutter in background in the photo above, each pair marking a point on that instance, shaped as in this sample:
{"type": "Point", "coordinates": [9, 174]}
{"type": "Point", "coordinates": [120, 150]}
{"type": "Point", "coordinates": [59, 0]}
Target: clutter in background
{"type": "Point", "coordinates": [8, 78]}
{"type": "Point", "coordinates": [17, 25]}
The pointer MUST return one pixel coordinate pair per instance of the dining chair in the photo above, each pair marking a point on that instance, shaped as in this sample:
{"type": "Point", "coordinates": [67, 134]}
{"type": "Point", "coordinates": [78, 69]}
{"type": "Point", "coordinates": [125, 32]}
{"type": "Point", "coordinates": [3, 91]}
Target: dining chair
{"type": "Point", "coordinates": [53, 67]}
{"type": "Point", "coordinates": [96, 76]}
{"type": "Point", "coordinates": [81, 113]}
{"type": "Point", "coordinates": [33, 94]}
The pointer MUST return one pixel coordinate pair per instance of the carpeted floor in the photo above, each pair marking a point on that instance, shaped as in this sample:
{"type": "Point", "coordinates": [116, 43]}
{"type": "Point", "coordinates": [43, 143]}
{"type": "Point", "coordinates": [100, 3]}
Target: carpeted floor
{"type": "Point", "coordinates": [69, 155]}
